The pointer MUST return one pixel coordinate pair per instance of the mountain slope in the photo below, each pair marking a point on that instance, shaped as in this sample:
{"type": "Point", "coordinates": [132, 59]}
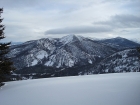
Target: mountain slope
{"type": "Point", "coordinates": [59, 53]}
{"type": "Point", "coordinates": [72, 55]}
{"type": "Point", "coordinates": [120, 43]}
{"type": "Point", "coordinates": [123, 61]}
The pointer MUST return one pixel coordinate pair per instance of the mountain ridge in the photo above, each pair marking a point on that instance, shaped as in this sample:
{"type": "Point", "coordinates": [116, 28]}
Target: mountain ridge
{"type": "Point", "coordinates": [69, 55]}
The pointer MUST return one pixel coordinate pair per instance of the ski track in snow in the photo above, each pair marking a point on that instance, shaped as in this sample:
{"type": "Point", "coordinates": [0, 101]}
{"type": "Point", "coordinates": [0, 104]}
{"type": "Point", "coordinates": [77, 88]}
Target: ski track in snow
{"type": "Point", "coordinates": [103, 89]}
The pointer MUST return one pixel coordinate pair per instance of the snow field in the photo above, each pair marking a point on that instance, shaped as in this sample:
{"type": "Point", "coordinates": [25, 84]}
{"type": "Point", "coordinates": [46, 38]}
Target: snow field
{"type": "Point", "coordinates": [103, 89]}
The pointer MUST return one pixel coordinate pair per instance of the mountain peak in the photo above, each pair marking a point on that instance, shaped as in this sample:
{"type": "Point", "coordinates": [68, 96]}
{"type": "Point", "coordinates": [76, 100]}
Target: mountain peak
{"type": "Point", "coordinates": [119, 37]}
{"type": "Point", "coordinates": [72, 35]}
{"type": "Point", "coordinates": [68, 38]}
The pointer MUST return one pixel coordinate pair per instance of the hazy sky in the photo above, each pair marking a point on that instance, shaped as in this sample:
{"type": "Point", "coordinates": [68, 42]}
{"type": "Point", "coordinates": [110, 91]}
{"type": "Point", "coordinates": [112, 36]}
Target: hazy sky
{"type": "Point", "coordinates": [34, 19]}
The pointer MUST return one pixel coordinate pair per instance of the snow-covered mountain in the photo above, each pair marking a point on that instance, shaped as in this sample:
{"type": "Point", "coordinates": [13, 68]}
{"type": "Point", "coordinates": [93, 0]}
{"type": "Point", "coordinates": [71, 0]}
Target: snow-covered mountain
{"type": "Point", "coordinates": [13, 43]}
{"type": "Point", "coordinates": [120, 43]}
{"type": "Point", "coordinates": [123, 61]}
{"type": "Point", "coordinates": [68, 51]}
{"type": "Point", "coordinates": [16, 43]}
{"type": "Point", "coordinates": [69, 55]}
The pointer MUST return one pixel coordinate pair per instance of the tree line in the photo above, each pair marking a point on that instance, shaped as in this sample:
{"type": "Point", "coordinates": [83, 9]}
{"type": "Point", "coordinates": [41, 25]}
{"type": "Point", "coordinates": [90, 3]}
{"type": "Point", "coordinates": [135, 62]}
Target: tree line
{"type": "Point", "coordinates": [6, 66]}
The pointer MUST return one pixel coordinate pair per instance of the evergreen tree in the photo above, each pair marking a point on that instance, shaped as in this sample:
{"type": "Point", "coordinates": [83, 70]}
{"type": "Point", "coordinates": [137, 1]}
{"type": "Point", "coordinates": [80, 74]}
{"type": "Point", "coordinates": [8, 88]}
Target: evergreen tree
{"type": "Point", "coordinates": [138, 49]}
{"type": "Point", "coordinates": [5, 63]}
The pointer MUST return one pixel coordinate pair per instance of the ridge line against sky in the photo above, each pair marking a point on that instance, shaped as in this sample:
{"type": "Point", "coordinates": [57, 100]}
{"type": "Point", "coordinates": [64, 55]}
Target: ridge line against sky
{"type": "Point", "coordinates": [29, 20]}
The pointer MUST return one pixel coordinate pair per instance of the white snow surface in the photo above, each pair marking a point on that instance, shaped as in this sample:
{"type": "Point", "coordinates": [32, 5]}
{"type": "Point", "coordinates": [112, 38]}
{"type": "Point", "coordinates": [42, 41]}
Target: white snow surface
{"type": "Point", "coordinates": [41, 54]}
{"type": "Point", "coordinates": [103, 89]}
{"type": "Point", "coordinates": [90, 61]}
{"type": "Point", "coordinates": [67, 39]}
{"type": "Point", "coordinates": [34, 62]}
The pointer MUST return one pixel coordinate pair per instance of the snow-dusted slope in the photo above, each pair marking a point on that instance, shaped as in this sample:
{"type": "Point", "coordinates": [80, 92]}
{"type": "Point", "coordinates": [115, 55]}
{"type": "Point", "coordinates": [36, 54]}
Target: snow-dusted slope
{"type": "Point", "coordinates": [71, 55]}
{"type": "Point", "coordinates": [68, 39]}
{"type": "Point", "coordinates": [123, 61]}
{"type": "Point", "coordinates": [119, 43]}
{"type": "Point", "coordinates": [67, 51]}
{"type": "Point", "coordinates": [105, 89]}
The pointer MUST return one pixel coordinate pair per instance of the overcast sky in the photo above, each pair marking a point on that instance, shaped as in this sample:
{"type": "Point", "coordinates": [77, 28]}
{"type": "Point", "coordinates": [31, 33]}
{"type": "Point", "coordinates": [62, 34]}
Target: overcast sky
{"type": "Point", "coordinates": [34, 19]}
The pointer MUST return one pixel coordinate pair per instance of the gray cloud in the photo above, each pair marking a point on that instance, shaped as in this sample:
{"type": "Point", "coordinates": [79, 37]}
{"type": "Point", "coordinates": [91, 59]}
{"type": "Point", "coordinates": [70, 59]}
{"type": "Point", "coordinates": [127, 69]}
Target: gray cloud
{"type": "Point", "coordinates": [30, 19]}
{"type": "Point", "coordinates": [79, 30]}
{"type": "Point", "coordinates": [115, 22]}
{"type": "Point", "coordinates": [122, 21]}
{"type": "Point", "coordinates": [18, 3]}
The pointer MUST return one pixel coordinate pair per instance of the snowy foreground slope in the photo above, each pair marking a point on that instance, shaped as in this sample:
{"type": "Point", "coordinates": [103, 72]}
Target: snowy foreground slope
{"type": "Point", "coordinates": [103, 89]}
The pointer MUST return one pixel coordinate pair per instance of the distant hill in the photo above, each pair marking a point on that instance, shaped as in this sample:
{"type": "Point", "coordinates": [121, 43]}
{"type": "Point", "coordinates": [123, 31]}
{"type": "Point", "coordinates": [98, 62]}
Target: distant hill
{"type": "Point", "coordinates": [16, 43]}
{"type": "Point", "coordinates": [123, 61]}
{"type": "Point", "coordinates": [120, 43]}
